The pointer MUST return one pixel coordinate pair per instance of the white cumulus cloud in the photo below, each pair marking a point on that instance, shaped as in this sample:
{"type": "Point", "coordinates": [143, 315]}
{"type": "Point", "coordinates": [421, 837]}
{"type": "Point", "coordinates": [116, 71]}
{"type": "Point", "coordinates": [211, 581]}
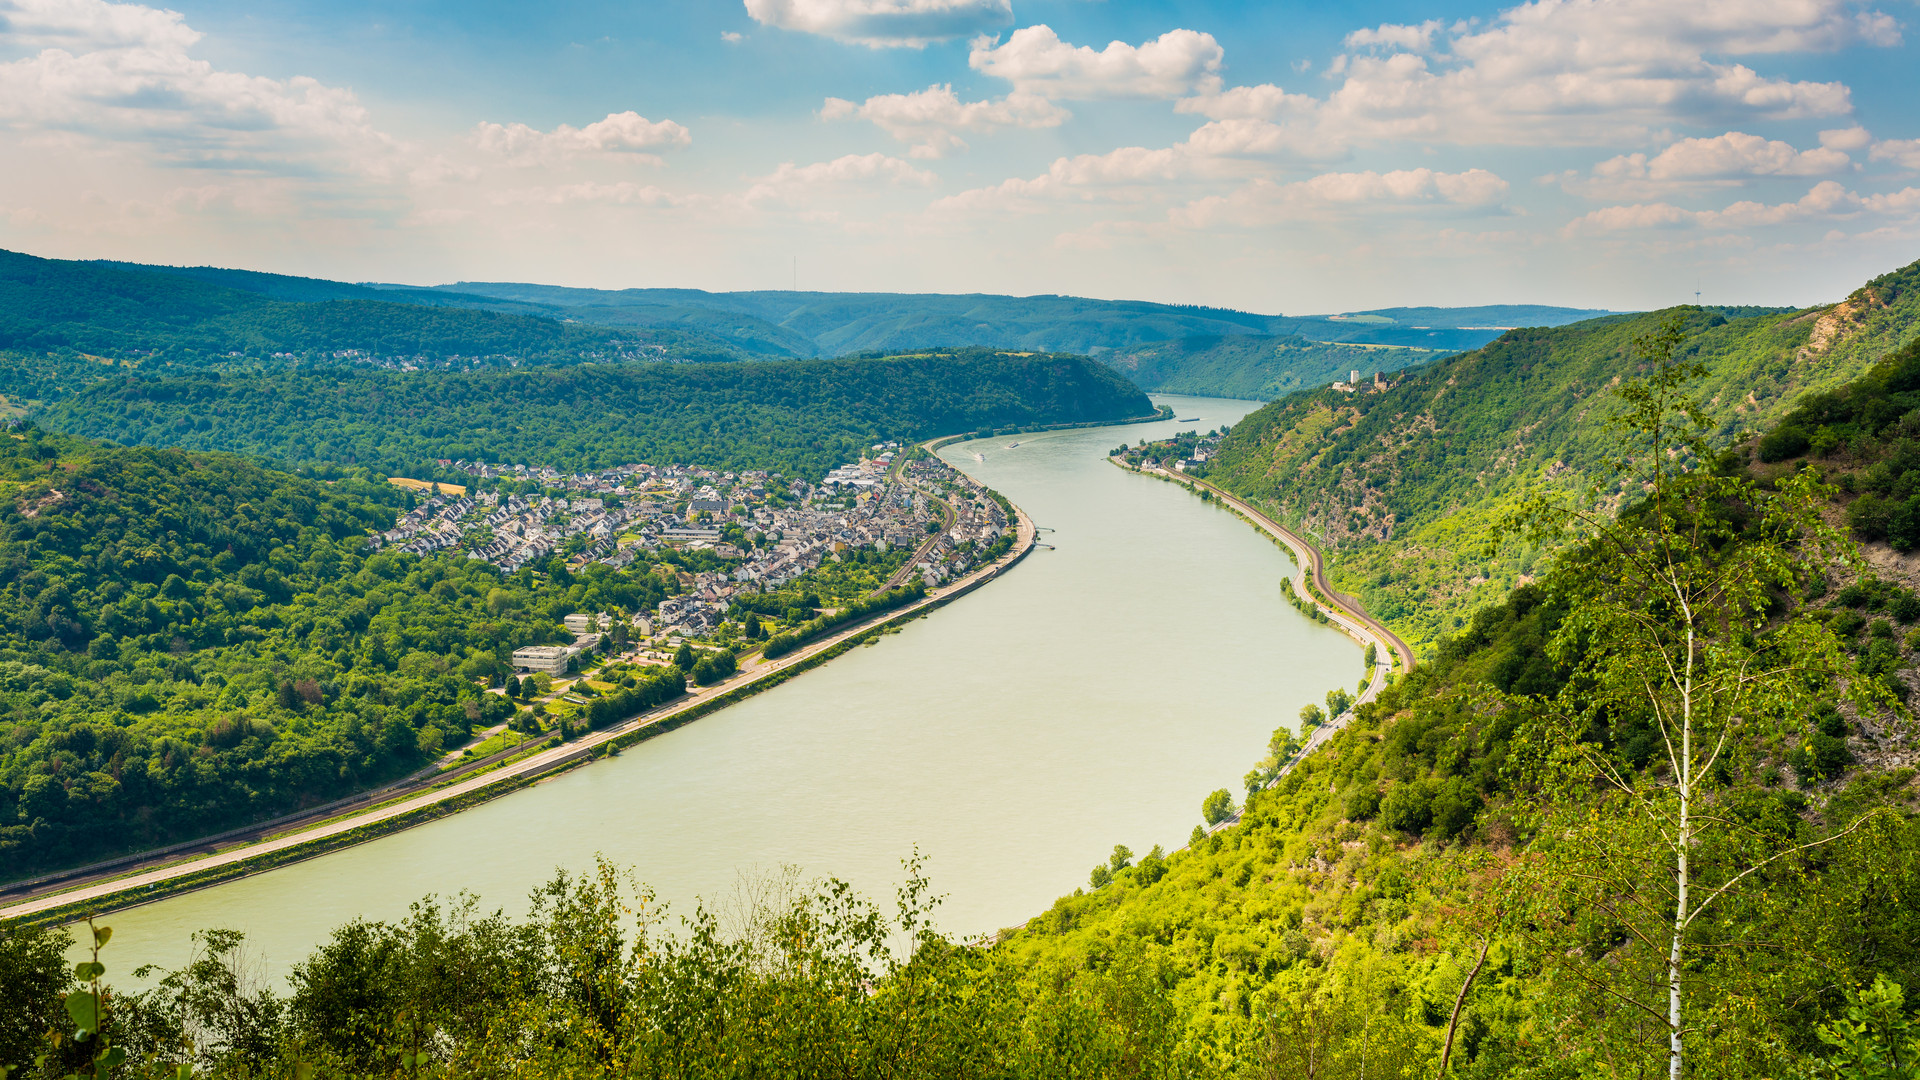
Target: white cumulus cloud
{"type": "Point", "coordinates": [1266, 202]}
{"type": "Point", "coordinates": [791, 183]}
{"type": "Point", "coordinates": [620, 133]}
{"type": "Point", "coordinates": [1393, 36]}
{"type": "Point", "coordinates": [1263, 102]}
{"type": "Point", "coordinates": [1828, 200]}
{"type": "Point", "coordinates": [884, 23]}
{"type": "Point", "coordinates": [1902, 152]}
{"type": "Point", "coordinates": [1846, 140]}
{"type": "Point", "coordinates": [1735, 154]}
{"type": "Point", "coordinates": [1035, 60]}
{"type": "Point", "coordinates": [123, 73]}
{"type": "Point", "coordinates": [930, 117]}
{"type": "Point", "coordinates": [1571, 72]}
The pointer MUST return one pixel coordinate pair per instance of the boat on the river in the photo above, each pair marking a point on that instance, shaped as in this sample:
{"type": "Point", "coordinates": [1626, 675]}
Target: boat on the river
{"type": "Point", "coordinates": [1190, 420]}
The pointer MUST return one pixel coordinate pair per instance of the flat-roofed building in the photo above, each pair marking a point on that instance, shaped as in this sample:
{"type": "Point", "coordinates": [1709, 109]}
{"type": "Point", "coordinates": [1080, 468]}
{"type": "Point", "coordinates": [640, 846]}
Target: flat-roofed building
{"type": "Point", "coordinates": [551, 659]}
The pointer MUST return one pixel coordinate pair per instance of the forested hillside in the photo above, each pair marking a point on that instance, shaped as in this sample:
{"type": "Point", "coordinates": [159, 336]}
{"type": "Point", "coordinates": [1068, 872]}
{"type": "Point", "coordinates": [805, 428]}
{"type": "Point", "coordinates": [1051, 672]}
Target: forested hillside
{"type": "Point", "coordinates": [1400, 486]}
{"type": "Point", "coordinates": [1255, 368]}
{"type": "Point", "coordinates": [59, 318]}
{"type": "Point", "coordinates": [1472, 878]}
{"type": "Point", "coordinates": [188, 642]}
{"type": "Point", "coordinates": [800, 417]}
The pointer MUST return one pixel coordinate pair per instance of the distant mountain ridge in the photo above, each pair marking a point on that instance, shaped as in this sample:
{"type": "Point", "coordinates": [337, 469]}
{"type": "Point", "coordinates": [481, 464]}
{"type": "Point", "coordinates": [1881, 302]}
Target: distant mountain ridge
{"type": "Point", "coordinates": [841, 323]}
{"type": "Point", "coordinates": [789, 323]}
{"type": "Point", "coordinates": [159, 319]}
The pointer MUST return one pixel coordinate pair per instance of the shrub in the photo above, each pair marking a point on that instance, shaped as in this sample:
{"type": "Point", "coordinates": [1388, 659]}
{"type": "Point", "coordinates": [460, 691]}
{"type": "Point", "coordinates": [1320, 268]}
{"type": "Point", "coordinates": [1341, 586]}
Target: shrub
{"type": "Point", "coordinates": [1785, 441]}
{"type": "Point", "coordinates": [1363, 804]}
{"type": "Point", "coordinates": [1408, 807]}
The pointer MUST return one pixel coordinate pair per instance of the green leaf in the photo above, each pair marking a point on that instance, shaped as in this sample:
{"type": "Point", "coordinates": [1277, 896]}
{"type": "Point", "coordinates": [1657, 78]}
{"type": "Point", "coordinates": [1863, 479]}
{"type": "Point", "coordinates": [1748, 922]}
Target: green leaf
{"type": "Point", "coordinates": [102, 935]}
{"type": "Point", "coordinates": [84, 1008]}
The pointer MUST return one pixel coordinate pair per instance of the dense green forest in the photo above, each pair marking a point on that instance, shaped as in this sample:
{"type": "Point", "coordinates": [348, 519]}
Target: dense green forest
{"type": "Point", "coordinates": [1467, 879]}
{"type": "Point", "coordinates": [53, 311]}
{"type": "Point", "coordinates": [1254, 368]}
{"type": "Point", "coordinates": [799, 417]}
{"type": "Point", "coordinates": [1866, 436]}
{"type": "Point", "coordinates": [1399, 487]}
{"type": "Point", "coordinates": [190, 642]}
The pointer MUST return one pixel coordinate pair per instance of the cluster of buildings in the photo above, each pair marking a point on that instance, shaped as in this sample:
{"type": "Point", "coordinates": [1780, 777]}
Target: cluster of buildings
{"type": "Point", "coordinates": [509, 531]}
{"type": "Point", "coordinates": [979, 519]}
{"type": "Point", "coordinates": [1354, 385]}
{"type": "Point", "coordinates": [766, 531]}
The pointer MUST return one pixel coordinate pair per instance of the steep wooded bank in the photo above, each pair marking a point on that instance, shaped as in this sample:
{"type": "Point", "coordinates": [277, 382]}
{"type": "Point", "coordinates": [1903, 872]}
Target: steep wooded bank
{"type": "Point", "coordinates": [1401, 485]}
{"type": "Point", "coordinates": [799, 417]}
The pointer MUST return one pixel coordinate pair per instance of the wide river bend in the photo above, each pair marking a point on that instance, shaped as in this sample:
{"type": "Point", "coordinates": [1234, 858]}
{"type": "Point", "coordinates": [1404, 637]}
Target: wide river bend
{"type": "Point", "coordinates": [1091, 696]}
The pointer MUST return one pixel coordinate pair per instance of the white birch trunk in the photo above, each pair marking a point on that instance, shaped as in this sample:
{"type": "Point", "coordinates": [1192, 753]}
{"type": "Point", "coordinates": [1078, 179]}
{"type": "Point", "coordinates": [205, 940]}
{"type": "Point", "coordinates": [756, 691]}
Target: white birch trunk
{"type": "Point", "coordinates": [1683, 842]}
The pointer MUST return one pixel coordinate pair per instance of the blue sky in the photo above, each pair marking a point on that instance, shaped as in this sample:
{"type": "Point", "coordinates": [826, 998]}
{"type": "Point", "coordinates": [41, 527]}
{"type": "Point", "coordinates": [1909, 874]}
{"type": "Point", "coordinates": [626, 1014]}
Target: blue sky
{"type": "Point", "coordinates": [1278, 157]}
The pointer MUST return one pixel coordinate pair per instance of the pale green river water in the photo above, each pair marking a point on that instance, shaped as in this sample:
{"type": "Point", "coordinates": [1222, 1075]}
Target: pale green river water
{"type": "Point", "coordinates": [1091, 696]}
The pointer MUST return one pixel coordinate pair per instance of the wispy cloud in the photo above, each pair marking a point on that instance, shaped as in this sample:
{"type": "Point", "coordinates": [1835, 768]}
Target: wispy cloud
{"type": "Point", "coordinates": [884, 24]}
{"type": "Point", "coordinates": [620, 133]}
{"type": "Point", "coordinates": [930, 117]}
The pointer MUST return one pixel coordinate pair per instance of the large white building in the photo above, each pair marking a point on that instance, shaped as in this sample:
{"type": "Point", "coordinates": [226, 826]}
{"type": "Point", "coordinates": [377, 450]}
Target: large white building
{"type": "Point", "coordinates": [551, 659]}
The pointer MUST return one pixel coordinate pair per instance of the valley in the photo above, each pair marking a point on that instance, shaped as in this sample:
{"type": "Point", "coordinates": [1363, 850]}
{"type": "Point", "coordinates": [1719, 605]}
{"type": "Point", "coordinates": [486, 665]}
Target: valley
{"type": "Point", "coordinates": [496, 598]}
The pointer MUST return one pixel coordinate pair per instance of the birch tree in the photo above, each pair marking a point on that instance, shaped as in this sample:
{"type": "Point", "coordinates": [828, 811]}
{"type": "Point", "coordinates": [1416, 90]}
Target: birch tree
{"type": "Point", "coordinates": [1682, 630]}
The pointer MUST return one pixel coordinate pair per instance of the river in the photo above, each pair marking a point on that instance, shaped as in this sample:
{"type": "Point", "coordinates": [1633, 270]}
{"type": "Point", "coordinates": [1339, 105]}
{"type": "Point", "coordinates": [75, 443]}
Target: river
{"type": "Point", "coordinates": [1091, 696]}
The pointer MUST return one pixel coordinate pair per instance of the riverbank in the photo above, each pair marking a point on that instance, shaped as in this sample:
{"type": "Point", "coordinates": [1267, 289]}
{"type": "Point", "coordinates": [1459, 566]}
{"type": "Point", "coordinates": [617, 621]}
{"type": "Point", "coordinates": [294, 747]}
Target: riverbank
{"type": "Point", "coordinates": [1310, 583]}
{"type": "Point", "coordinates": [72, 900]}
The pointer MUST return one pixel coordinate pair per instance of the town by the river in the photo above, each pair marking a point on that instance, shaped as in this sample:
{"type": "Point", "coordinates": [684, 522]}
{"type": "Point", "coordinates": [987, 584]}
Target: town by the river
{"type": "Point", "coordinates": [1093, 695]}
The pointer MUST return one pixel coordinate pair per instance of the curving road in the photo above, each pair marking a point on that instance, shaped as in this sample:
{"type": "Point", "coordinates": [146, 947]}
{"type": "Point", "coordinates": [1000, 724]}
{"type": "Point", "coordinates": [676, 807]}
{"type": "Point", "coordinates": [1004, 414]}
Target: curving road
{"type": "Point", "coordinates": [116, 882]}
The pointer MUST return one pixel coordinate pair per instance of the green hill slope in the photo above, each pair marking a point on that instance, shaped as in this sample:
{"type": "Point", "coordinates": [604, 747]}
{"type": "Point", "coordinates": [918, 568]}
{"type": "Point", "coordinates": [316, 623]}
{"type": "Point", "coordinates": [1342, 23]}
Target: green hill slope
{"type": "Point", "coordinates": [190, 642]}
{"type": "Point", "coordinates": [801, 417]}
{"type": "Point", "coordinates": [1255, 368]}
{"type": "Point", "coordinates": [56, 314]}
{"type": "Point", "coordinates": [1400, 486]}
